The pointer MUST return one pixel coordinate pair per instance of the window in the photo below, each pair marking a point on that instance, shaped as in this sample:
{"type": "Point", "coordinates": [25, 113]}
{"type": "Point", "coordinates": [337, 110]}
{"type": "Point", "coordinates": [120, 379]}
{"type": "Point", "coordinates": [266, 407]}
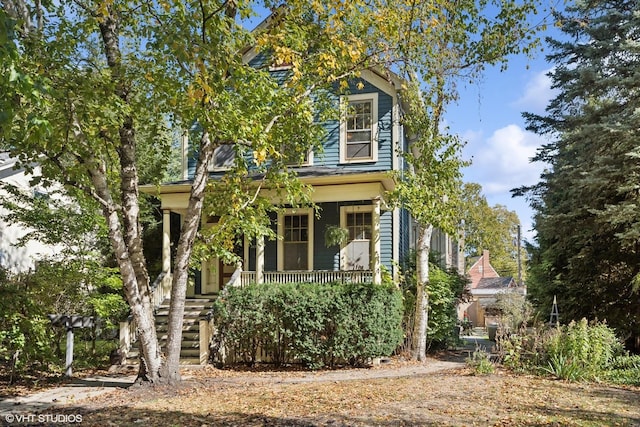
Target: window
{"type": "Point", "coordinates": [295, 249]}
{"type": "Point", "coordinates": [356, 254]}
{"type": "Point", "coordinates": [296, 242]}
{"type": "Point", "coordinates": [296, 158]}
{"type": "Point", "coordinates": [358, 129]}
{"type": "Point", "coordinates": [359, 225]}
{"type": "Point", "coordinates": [223, 157]}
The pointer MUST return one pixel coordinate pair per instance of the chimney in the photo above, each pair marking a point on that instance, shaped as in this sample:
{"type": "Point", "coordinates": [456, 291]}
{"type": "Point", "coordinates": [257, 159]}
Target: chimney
{"type": "Point", "coordinates": [486, 265]}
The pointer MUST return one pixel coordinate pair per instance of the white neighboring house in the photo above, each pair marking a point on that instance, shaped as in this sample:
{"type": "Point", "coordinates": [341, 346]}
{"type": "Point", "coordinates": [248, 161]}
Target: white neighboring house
{"type": "Point", "coordinates": [16, 258]}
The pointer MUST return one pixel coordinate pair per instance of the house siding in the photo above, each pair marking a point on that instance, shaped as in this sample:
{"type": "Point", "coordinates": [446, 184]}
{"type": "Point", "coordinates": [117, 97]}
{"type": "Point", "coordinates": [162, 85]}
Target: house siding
{"type": "Point", "coordinates": [404, 237]}
{"type": "Point", "coordinates": [329, 258]}
{"type": "Point", "coordinates": [386, 240]}
{"type": "Point", "coordinates": [326, 258]}
{"type": "Point", "coordinates": [331, 155]}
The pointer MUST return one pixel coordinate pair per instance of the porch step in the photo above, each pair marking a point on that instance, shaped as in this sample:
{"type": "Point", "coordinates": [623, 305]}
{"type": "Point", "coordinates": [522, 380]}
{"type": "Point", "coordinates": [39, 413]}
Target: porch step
{"type": "Point", "coordinates": [195, 310]}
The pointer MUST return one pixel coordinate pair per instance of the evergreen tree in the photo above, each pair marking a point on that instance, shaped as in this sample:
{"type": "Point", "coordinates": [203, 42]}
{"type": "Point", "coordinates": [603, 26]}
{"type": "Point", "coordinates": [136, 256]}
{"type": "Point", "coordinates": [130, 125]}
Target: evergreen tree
{"type": "Point", "coordinates": [586, 204]}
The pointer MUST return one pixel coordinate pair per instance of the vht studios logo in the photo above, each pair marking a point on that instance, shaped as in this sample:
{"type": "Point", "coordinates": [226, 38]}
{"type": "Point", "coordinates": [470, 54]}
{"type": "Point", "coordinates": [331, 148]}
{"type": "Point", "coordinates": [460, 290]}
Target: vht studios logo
{"type": "Point", "coordinates": [43, 418]}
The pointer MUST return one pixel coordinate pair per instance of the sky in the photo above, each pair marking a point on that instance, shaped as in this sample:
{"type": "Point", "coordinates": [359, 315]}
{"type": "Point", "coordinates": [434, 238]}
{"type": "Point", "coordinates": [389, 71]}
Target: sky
{"type": "Point", "coordinates": [488, 116]}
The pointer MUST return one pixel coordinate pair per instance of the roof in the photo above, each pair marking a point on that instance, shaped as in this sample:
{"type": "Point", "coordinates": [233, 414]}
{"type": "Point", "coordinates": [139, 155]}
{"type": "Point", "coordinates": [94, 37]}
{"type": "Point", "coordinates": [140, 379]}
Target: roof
{"type": "Point", "coordinates": [7, 164]}
{"type": "Point", "coordinates": [496, 283]}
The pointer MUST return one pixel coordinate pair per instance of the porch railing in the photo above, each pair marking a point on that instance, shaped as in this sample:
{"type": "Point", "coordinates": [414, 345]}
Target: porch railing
{"type": "Point", "coordinates": [316, 276]}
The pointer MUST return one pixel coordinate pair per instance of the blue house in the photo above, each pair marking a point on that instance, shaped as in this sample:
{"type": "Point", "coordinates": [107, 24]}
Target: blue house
{"type": "Point", "coordinates": [349, 180]}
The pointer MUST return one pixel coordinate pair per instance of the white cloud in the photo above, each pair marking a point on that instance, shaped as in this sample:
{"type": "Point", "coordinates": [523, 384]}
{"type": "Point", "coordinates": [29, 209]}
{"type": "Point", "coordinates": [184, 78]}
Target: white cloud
{"type": "Point", "coordinates": [537, 93]}
{"type": "Point", "coordinates": [503, 161]}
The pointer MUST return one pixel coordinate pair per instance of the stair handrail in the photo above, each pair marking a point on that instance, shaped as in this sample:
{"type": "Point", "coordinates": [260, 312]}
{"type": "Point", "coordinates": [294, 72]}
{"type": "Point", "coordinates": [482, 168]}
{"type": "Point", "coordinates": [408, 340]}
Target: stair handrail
{"type": "Point", "coordinates": [158, 292]}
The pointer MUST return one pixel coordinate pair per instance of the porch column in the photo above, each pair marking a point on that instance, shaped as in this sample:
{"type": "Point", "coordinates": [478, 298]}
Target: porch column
{"type": "Point", "coordinates": [166, 251]}
{"type": "Point", "coordinates": [260, 259]}
{"type": "Point", "coordinates": [375, 236]}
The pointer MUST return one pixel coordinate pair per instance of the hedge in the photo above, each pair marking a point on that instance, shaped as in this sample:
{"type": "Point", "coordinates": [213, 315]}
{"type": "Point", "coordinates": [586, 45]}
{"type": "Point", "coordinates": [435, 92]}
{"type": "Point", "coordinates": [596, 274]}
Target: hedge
{"type": "Point", "coordinates": [314, 324]}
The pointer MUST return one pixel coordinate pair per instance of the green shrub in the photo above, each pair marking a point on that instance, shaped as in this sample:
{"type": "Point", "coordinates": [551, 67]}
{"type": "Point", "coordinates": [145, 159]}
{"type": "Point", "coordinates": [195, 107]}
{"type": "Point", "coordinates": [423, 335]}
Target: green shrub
{"type": "Point", "coordinates": [565, 368]}
{"type": "Point", "coordinates": [589, 347]}
{"type": "Point", "coordinates": [573, 352]}
{"type": "Point", "coordinates": [624, 370]}
{"type": "Point", "coordinates": [480, 362]}
{"type": "Point", "coordinates": [314, 324]}
{"type": "Point", "coordinates": [446, 289]}
{"type": "Point", "coordinates": [25, 331]}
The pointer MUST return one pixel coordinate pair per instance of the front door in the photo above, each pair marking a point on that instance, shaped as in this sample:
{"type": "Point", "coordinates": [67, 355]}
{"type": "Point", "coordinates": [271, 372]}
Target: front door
{"type": "Point", "coordinates": [215, 274]}
{"type": "Point", "coordinates": [356, 253]}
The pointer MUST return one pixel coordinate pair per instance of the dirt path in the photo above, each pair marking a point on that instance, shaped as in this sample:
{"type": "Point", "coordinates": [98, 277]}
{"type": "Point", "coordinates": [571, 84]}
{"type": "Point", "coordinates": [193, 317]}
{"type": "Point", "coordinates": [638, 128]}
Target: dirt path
{"type": "Point", "coordinates": [392, 369]}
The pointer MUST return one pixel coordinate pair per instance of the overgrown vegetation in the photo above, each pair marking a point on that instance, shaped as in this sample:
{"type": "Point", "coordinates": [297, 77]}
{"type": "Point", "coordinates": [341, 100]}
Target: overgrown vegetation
{"type": "Point", "coordinates": [446, 289]}
{"type": "Point", "coordinates": [480, 362]}
{"type": "Point", "coordinates": [29, 342]}
{"type": "Point", "coordinates": [577, 351]}
{"type": "Point", "coordinates": [512, 309]}
{"type": "Point", "coordinates": [313, 324]}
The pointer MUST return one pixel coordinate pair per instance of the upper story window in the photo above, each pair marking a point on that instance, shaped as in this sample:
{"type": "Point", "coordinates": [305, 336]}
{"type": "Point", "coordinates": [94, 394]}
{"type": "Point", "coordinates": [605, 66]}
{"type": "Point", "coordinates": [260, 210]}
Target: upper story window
{"type": "Point", "coordinates": [223, 158]}
{"type": "Point", "coordinates": [298, 159]}
{"type": "Point", "coordinates": [359, 128]}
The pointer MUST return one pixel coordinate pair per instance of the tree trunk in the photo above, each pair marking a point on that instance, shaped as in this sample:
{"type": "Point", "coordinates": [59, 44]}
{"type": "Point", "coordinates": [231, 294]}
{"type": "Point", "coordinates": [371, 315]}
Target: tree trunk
{"type": "Point", "coordinates": [125, 231]}
{"type": "Point", "coordinates": [171, 370]}
{"type": "Point", "coordinates": [137, 294]}
{"type": "Point", "coordinates": [419, 336]}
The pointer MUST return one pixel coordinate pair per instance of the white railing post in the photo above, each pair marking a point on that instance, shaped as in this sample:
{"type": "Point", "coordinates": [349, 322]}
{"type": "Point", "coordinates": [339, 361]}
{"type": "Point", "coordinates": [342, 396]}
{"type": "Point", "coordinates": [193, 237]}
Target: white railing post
{"type": "Point", "coordinates": [205, 339]}
{"type": "Point", "coordinates": [260, 260]}
{"type": "Point", "coordinates": [125, 339]}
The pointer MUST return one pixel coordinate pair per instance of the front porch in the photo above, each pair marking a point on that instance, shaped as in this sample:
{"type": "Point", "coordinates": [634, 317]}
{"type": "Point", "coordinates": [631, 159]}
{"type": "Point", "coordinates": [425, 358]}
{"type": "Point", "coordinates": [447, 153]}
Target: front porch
{"type": "Point", "coordinates": [353, 203]}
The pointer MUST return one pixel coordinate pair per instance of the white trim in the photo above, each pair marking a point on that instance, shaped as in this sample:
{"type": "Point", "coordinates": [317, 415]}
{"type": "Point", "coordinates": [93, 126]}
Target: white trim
{"type": "Point", "coordinates": [309, 161]}
{"type": "Point", "coordinates": [375, 236]}
{"type": "Point", "coordinates": [250, 54]}
{"type": "Point", "coordinates": [390, 88]}
{"type": "Point", "coordinates": [396, 130]}
{"type": "Point", "coordinates": [295, 211]}
{"type": "Point", "coordinates": [344, 104]}
{"type": "Point", "coordinates": [280, 67]}
{"type": "Point", "coordinates": [260, 259]}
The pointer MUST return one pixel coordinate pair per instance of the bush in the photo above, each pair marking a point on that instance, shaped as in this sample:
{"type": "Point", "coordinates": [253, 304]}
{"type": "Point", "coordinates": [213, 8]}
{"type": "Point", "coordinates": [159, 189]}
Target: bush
{"type": "Point", "coordinates": [480, 362]}
{"type": "Point", "coordinates": [25, 332]}
{"type": "Point", "coordinates": [590, 348]}
{"type": "Point", "coordinates": [446, 289]}
{"type": "Point", "coordinates": [577, 351]}
{"type": "Point", "coordinates": [624, 370]}
{"type": "Point", "coordinates": [314, 324]}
